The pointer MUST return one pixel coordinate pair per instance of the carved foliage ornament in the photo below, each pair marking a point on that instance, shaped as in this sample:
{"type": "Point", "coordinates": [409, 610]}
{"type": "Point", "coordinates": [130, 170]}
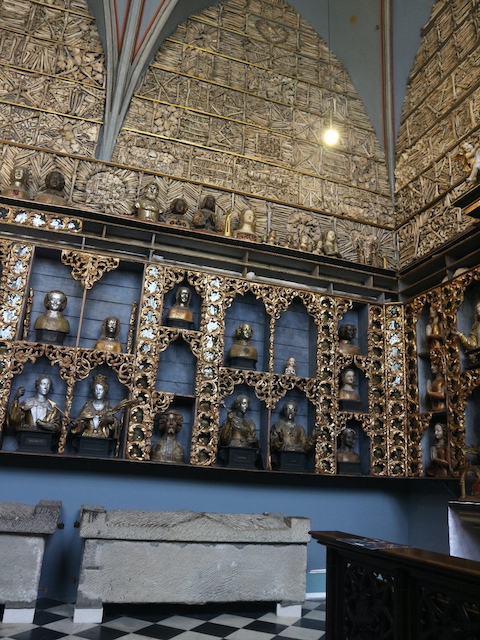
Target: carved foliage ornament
{"type": "Point", "coordinates": [88, 268]}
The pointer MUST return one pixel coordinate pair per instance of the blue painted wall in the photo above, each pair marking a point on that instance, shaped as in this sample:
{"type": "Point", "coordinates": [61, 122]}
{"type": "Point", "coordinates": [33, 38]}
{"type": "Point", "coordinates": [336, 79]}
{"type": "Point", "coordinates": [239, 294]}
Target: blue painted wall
{"type": "Point", "coordinates": [390, 515]}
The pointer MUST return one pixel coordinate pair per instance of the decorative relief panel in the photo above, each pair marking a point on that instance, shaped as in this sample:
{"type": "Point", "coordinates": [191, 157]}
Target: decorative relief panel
{"type": "Point", "coordinates": [439, 115]}
{"type": "Point", "coordinates": [266, 103]}
{"type": "Point", "coordinates": [257, 114]}
{"type": "Point", "coordinates": [52, 66]}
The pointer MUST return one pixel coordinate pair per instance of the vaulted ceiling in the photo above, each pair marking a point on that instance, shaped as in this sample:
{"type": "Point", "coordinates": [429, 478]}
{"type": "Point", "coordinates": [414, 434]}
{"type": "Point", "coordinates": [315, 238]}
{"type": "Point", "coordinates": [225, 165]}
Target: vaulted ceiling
{"type": "Point", "coordinates": [377, 44]}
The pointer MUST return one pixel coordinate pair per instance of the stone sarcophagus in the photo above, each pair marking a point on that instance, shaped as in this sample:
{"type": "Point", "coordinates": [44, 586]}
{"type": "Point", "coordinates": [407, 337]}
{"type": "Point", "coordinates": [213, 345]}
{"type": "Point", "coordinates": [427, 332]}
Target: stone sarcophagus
{"type": "Point", "coordinates": [192, 558]}
{"type": "Point", "coordinates": [23, 529]}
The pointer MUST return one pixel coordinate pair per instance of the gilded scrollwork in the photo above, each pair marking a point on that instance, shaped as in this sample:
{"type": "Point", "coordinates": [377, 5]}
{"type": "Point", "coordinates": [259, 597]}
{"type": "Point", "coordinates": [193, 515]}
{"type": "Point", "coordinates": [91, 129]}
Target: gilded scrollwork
{"type": "Point", "coordinates": [152, 338]}
{"type": "Point", "coordinates": [172, 277]}
{"type": "Point", "coordinates": [88, 268]}
{"type": "Point", "coordinates": [452, 298]}
{"type": "Point", "coordinates": [13, 282]}
{"type": "Point", "coordinates": [24, 352]}
{"type": "Point", "coordinates": [131, 327]}
{"type": "Point", "coordinates": [394, 424]}
{"type": "Point", "coordinates": [395, 388]}
{"type": "Point", "coordinates": [412, 312]}
{"type": "Point", "coordinates": [165, 336]}
{"type": "Point", "coordinates": [121, 363]}
{"type": "Point", "coordinates": [348, 360]}
{"type": "Point", "coordinates": [377, 426]}
{"type": "Point", "coordinates": [281, 384]}
{"type": "Point", "coordinates": [40, 220]}
{"type": "Point", "coordinates": [326, 317]}
{"type": "Point", "coordinates": [259, 381]}
{"type": "Point", "coordinates": [194, 341]}
{"type": "Point", "coordinates": [218, 294]}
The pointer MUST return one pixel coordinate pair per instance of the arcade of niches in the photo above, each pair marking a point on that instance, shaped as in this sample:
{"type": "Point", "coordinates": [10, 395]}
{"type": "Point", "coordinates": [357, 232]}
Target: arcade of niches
{"type": "Point", "coordinates": [233, 106]}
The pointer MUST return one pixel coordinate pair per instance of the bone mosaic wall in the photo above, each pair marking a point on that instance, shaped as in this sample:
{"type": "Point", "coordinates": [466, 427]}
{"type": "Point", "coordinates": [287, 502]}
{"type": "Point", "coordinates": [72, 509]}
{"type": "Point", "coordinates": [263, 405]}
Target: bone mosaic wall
{"type": "Point", "coordinates": [234, 104]}
{"type": "Point", "coordinates": [440, 113]}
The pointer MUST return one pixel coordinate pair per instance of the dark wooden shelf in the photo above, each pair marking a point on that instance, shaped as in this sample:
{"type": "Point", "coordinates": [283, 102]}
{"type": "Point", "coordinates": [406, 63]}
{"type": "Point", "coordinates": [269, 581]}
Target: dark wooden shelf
{"type": "Point", "coordinates": [140, 240]}
{"type": "Point", "coordinates": [462, 251]}
{"type": "Point", "coordinates": [56, 462]}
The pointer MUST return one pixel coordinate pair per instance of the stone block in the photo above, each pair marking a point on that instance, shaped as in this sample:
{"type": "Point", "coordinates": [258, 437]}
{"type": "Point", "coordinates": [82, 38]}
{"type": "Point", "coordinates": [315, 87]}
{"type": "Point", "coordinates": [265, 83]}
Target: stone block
{"type": "Point", "coordinates": [22, 541]}
{"type": "Point", "coordinates": [191, 526]}
{"type": "Point", "coordinates": [191, 558]}
{"type": "Point", "coordinates": [39, 519]}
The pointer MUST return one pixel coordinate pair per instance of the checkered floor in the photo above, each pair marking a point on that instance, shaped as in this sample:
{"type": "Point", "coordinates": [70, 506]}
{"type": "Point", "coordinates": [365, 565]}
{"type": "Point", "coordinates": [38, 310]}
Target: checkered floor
{"type": "Point", "coordinates": [53, 621]}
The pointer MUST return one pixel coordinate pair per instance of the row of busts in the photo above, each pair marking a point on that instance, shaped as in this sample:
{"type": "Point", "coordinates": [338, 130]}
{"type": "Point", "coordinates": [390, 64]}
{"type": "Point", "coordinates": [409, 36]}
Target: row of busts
{"type": "Point", "coordinates": [97, 419]}
{"type": "Point", "coordinates": [52, 194]}
{"type": "Point", "coordinates": [286, 435]}
{"type": "Point", "coordinates": [39, 413]}
{"type": "Point", "coordinates": [52, 327]}
{"type": "Point", "coordinates": [206, 218]}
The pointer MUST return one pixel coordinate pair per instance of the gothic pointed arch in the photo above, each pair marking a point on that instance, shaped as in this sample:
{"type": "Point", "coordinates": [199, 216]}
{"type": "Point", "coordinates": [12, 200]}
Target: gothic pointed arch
{"type": "Point", "coordinates": [238, 97]}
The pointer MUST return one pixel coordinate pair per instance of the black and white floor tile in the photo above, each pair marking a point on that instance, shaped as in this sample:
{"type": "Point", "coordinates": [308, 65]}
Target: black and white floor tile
{"type": "Point", "coordinates": [239, 621]}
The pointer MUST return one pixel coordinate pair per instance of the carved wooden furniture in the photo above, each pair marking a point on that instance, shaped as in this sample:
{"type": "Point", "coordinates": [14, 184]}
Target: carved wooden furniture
{"type": "Point", "coordinates": [374, 591]}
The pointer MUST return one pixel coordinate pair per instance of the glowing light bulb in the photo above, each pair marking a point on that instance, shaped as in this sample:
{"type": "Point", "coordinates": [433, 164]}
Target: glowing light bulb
{"type": "Point", "coordinates": [331, 137]}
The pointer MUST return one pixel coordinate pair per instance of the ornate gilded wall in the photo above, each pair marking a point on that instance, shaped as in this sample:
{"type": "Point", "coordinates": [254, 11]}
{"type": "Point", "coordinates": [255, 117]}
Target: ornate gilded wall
{"type": "Point", "coordinates": [441, 110]}
{"type": "Point", "coordinates": [234, 104]}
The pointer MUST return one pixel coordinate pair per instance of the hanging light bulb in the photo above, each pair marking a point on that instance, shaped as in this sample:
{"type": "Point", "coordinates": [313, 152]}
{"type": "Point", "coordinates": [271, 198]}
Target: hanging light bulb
{"type": "Point", "coordinates": [331, 135]}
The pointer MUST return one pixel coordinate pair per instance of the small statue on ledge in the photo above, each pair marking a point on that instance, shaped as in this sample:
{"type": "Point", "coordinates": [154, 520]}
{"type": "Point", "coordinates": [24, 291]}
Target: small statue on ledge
{"type": "Point", "coordinates": [471, 157]}
{"type": "Point", "coordinates": [434, 330]}
{"type": "Point", "coordinates": [439, 466]}
{"type": "Point", "coordinates": [178, 208]}
{"type": "Point", "coordinates": [37, 413]}
{"type": "Point", "coordinates": [238, 431]}
{"type": "Point", "coordinates": [18, 186]}
{"type": "Point", "coordinates": [147, 207]}
{"type": "Point", "coordinates": [473, 340]}
{"type": "Point", "coordinates": [55, 183]}
{"type": "Point", "coordinates": [345, 451]}
{"type": "Point", "coordinates": [436, 388]}
{"type": "Point", "coordinates": [287, 435]}
{"type": "Point", "coordinates": [206, 218]}
{"type": "Point", "coordinates": [167, 449]}
{"type": "Point", "coordinates": [347, 392]}
{"type": "Point", "coordinates": [246, 226]}
{"type": "Point", "coordinates": [272, 238]}
{"type": "Point", "coordinates": [52, 327]}
{"type": "Point", "coordinates": [290, 367]}
{"type": "Point", "coordinates": [471, 343]}
{"type": "Point", "coordinates": [179, 315]}
{"type": "Point", "coordinates": [346, 335]}
{"type": "Point", "coordinates": [305, 243]}
{"type": "Point", "coordinates": [330, 244]}
{"type": "Point", "coordinates": [242, 354]}
{"type": "Point", "coordinates": [108, 340]}
{"type": "Point", "coordinates": [97, 419]}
